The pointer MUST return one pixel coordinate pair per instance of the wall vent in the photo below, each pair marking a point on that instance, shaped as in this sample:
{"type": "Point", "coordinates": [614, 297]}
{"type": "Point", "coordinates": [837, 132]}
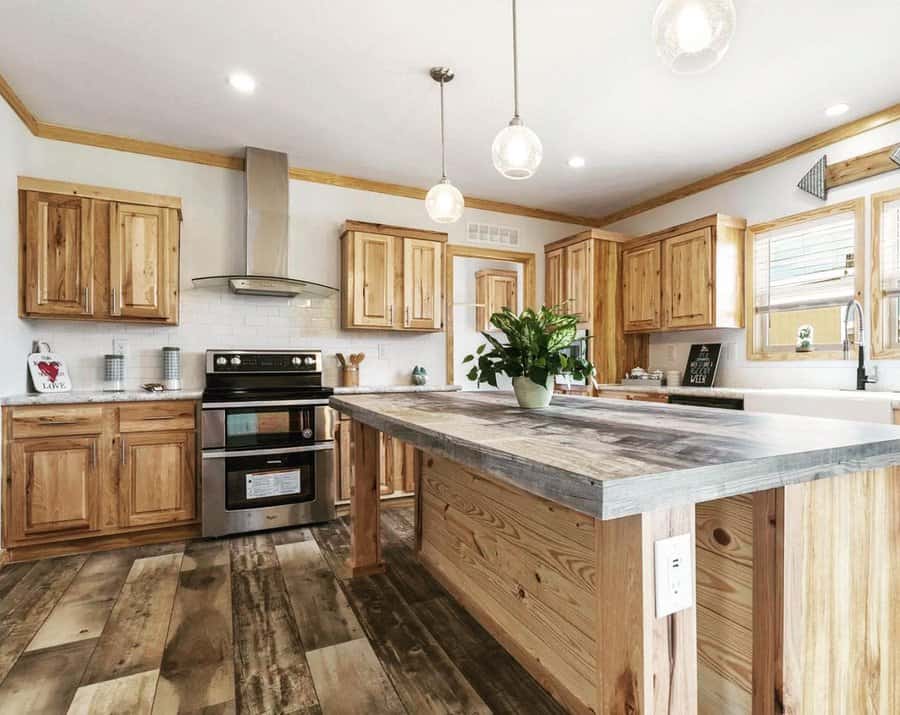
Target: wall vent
{"type": "Point", "coordinates": [492, 235]}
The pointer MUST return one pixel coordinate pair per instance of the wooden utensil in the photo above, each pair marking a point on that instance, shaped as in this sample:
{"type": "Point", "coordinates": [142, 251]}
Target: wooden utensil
{"type": "Point", "coordinates": [342, 360]}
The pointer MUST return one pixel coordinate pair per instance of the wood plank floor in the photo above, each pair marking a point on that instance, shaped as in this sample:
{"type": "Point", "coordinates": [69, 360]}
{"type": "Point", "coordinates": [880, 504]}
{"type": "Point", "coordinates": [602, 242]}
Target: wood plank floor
{"type": "Point", "coordinates": [257, 624]}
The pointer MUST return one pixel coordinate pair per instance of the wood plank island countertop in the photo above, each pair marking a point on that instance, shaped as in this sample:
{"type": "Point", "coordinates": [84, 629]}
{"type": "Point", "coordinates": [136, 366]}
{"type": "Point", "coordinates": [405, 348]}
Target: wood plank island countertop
{"type": "Point", "coordinates": [543, 524]}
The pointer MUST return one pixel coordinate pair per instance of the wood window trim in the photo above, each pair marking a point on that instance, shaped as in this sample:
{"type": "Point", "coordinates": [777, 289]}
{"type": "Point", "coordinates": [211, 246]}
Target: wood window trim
{"type": "Point", "coordinates": [858, 207]}
{"type": "Point", "coordinates": [529, 284]}
{"type": "Point", "coordinates": [877, 303]}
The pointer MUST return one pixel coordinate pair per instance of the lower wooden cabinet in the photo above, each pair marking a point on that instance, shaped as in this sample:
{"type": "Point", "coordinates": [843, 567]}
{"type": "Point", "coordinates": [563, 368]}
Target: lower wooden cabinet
{"type": "Point", "coordinates": [156, 482]}
{"type": "Point", "coordinates": [54, 486]}
{"type": "Point", "coordinates": [92, 472]}
{"type": "Point", "coordinates": [397, 469]}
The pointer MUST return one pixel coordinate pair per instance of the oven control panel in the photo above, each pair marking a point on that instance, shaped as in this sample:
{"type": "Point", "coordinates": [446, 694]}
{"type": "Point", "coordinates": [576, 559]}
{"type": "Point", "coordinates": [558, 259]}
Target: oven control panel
{"type": "Point", "coordinates": [240, 361]}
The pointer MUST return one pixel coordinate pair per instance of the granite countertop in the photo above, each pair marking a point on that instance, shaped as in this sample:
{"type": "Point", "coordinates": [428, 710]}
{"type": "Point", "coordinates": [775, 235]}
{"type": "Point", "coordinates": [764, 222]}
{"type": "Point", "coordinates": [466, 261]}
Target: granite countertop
{"type": "Point", "coordinates": [381, 389]}
{"type": "Point", "coordinates": [614, 458]}
{"type": "Point", "coordinates": [79, 396]}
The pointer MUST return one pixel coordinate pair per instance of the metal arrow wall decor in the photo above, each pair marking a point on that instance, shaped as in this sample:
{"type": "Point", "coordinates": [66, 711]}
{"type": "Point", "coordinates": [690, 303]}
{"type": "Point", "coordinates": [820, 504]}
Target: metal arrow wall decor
{"type": "Point", "coordinates": [822, 176]}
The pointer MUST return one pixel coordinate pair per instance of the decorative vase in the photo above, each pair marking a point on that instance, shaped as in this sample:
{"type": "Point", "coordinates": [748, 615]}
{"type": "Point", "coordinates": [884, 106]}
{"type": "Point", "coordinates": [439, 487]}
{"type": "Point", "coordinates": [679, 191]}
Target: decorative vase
{"type": "Point", "coordinates": [530, 395]}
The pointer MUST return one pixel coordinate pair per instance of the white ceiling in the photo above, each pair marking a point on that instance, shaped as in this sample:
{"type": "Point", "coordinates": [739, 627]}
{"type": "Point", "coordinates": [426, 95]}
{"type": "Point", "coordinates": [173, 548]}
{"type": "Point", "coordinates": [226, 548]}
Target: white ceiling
{"type": "Point", "coordinates": [343, 85]}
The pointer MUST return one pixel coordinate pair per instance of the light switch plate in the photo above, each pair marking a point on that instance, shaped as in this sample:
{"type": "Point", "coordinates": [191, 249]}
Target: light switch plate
{"type": "Point", "coordinates": [673, 568]}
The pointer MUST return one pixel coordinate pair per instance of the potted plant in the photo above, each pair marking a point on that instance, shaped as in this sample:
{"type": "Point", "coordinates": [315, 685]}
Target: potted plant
{"type": "Point", "coordinates": [534, 353]}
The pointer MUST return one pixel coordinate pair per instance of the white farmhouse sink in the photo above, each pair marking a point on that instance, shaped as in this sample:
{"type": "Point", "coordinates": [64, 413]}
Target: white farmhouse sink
{"type": "Point", "coordinates": [865, 406]}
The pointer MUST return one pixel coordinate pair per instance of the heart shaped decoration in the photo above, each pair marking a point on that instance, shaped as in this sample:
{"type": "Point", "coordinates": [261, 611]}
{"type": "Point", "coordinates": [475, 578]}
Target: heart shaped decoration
{"type": "Point", "coordinates": [50, 369]}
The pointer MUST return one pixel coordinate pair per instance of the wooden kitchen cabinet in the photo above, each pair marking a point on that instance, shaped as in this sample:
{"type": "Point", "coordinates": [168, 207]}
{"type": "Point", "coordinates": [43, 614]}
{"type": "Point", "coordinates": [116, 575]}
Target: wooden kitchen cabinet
{"type": "Point", "coordinates": [92, 253]}
{"type": "Point", "coordinates": [584, 274]}
{"type": "Point", "coordinates": [58, 239]}
{"type": "Point", "coordinates": [554, 278]}
{"type": "Point", "coordinates": [422, 271]}
{"type": "Point", "coordinates": [391, 278]}
{"type": "Point", "coordinates": [641, 287]}
{"type": "Point", "coordinates": [88, 476]}
{"type": "Point", "coordinates": [580, 280]}
{"type": "Point", "coordinates": [54, 486]}
{"type": "Point", "coordinates": [143, 253]}
{"type": "Point", "coordinates": [700, 267]}
{"type": "Point", "coordinates": [397, 468]}
{"type": "Point", "coordinates": [494, 290]}
{"type": "Point", "coordinates": [157, 478]}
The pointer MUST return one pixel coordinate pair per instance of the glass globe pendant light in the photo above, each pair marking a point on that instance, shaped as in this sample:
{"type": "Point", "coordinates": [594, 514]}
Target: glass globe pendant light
{"type": "Point", "coordinates": [517, 151]}
{"type": "Point", "coordinates": [692, 36]}
{"type": "Point", "coordinates": [444, 202]}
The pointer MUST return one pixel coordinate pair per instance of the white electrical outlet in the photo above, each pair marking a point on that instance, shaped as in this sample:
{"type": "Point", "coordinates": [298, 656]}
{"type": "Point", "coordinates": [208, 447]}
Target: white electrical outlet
{"type": "Point", "coordinates": [670, 353]}
{"type": "Point", "coordinates": [674, 572]}
{"type": "Point", "coordinates": [382, 351]}
{"type": "Point", "coordinates": [120, 346]}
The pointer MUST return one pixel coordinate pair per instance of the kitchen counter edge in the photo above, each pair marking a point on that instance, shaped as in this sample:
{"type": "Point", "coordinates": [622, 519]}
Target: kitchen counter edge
{"type": "Point", "coordinates": [97, 396]}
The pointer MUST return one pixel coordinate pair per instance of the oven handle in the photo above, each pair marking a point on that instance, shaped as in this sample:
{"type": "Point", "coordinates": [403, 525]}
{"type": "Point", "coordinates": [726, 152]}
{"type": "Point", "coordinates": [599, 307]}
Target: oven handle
{"type": "Point", "coordinates": [221, 453]}
{"type": "Point", "coordinates": [263, 403]}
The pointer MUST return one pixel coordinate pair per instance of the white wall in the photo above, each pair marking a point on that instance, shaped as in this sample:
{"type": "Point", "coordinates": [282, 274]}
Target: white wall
{"type": "Point", "coordinates": [466, 337]}
{"type": "Point", "coordinates": [768, 194]}
{"type": "Point", "coordinates": [212, 243]}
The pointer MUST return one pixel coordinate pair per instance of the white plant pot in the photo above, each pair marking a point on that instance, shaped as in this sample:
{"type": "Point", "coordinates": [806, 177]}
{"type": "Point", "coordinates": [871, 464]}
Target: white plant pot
{"type": "Point", "coordinates": [531, 395]}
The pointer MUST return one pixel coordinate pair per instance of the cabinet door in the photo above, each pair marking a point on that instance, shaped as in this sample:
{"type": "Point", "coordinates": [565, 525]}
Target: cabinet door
{"type": "Point", "coordinates": [580, 279]}
{"type": "Point", "coordinates": [422, 292]}
{"type": "Point", "coordinates": [157, 478]}
{"type": "Point", "coordinates": [494, 290]}
{"type": "Point", "coordinates": [687, 280]}
{"type": "Point", "coordinates": [373, 285]}
{"type": "Point", "coordinates": [140, 276]}
{"type": "Point", "coordinates": [554, 279]}
{"type": "Point", "coordinates": [59, 255]}
{"type": "Point", "coordinates": [641, 287]}
{"type": "Point", "coordinates": [54, 486]}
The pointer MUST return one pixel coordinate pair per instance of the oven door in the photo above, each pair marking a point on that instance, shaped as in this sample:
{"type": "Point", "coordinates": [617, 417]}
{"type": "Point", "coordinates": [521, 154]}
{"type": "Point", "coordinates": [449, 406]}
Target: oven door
{"type": "Point", "coordinates": [269, 426]}
{"type": "Point", "coordinates": [263, 489]}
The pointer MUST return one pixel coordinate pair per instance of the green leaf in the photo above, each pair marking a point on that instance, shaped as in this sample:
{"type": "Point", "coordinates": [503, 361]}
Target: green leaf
{"type": "Point", "coordinates": [468, 358]}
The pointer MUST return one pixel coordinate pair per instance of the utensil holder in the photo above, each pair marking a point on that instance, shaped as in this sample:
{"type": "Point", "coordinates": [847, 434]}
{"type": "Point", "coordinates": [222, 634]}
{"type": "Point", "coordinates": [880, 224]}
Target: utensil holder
{"type": "Point", "coordinates": [350, 376]}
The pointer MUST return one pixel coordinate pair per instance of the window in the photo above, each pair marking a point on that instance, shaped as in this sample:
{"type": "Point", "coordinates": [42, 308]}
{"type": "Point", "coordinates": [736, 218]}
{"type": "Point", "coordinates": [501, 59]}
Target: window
{"type": "Point", "coordinates": [802, 271]}
{"type": "Point", "coordinates": [886, 274]}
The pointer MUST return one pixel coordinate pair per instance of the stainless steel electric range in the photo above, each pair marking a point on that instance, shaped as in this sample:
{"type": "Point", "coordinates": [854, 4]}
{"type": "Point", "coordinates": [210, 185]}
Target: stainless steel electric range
{"type": "Point", "coordinates": [267, 441]}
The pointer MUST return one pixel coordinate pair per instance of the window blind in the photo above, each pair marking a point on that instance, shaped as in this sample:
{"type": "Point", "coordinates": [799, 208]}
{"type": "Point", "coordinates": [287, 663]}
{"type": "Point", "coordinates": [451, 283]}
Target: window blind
{"type": "Point", "coordinates": [806, 265]}
{"type": "Point", "coordinates": [889, 248]}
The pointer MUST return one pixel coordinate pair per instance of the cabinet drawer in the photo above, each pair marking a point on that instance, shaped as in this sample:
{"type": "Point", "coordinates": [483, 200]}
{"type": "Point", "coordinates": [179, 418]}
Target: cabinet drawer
{"type": "Point", "coordinates": [52, 420]}
{"type": "Point", "coordinates": [156, 416]}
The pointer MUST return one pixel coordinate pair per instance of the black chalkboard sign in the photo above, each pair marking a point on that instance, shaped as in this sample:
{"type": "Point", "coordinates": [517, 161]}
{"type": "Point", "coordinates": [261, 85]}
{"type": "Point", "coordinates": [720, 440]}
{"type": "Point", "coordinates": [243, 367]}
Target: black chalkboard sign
{"type": "Point", "coordinates": [702, 364]}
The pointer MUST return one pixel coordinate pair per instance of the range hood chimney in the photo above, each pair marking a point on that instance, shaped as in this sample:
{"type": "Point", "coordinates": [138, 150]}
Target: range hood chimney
{"type": "Point", "coordinates": [266, 249]}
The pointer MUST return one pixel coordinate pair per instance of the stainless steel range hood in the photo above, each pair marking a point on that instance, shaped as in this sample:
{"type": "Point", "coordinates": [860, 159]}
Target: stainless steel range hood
{"type": "Point", "coordinates": [266, 181]}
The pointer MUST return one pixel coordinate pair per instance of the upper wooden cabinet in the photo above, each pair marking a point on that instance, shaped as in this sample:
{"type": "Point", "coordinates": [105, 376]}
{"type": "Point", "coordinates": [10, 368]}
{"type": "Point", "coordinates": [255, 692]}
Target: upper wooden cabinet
{"type": "Point", "coordinates": [422, 270]}
{"type": "Point", "coordinates": [554, 278]}
{"type": "Point", "coordinates": [391, 277]}
{"type": "Point", "coordinates": [584, 274]}
{"type": "Point", "coordinates": [91, 253]}
{"type": "Point", "coordinates": [494, 290]}
{"type": "Point", "coordinates": [686, 277]}
{"type": "Point", "coordinates": [580, 280]}
{"type": "Point", "coordinates": [641, 287]}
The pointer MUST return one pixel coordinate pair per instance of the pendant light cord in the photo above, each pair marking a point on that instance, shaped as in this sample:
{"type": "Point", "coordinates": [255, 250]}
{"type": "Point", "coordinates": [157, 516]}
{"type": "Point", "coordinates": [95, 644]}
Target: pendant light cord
{"type": "Point", "coordinates": [443, 150]}
{"type": "Point", "coordinates": [515, 64]}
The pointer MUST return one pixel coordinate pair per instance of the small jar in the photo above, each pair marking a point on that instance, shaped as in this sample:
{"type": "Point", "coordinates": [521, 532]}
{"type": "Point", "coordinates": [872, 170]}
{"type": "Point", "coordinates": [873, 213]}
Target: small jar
{"type": "Point", "coordinates": [171, 358]}
{"type": "Point", "coordinates": [673, 378]}
{"type": "Point", "coordinates": [114, 373]}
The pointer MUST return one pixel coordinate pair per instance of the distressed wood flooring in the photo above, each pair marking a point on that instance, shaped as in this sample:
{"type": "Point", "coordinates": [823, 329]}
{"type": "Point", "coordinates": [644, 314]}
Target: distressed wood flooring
{"type": "Point", "coordinates": [265, 623]}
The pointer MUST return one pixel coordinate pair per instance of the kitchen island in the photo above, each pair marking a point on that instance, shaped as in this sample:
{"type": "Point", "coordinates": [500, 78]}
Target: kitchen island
{"type": "Point", "coordinates": [542, 524]}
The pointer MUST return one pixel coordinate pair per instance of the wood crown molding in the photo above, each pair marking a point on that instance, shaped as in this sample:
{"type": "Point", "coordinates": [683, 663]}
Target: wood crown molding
{"type": "Point", "coordinates": [27, 183]}
{"type": "Point", "coordinates": [224, 161]}
{"type": "Point", "coordinates": [167, 151]}
{"type": "Point", "coordinates": [804, 146]}
{"type": "Point", "coordinates": [595, 233]}
{"type": "Point", "coordinates": [388, 230]}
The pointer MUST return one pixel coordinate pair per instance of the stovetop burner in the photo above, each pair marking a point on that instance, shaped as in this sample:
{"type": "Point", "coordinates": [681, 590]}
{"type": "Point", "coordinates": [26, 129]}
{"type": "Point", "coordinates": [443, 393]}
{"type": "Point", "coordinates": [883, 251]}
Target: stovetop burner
{"type": "Point", "coordinates": [264, 376]}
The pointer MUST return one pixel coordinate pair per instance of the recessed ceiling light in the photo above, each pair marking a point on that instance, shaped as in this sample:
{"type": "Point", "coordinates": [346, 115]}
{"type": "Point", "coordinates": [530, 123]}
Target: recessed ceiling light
{"type": "Point", "coordinates": [242, 82]}
{"type": "Point", "coordinates": [576, 162]}
{"type": "Point", "coordinates": [836, 110]}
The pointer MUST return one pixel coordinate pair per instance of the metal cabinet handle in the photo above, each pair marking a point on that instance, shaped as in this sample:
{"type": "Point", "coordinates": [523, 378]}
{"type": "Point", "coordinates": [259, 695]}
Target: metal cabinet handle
{"type": "Point", "coordinates": [86, 299]}
{"type": "Point", "coordinates": [94, 454]}
{"type": "Point", "coordinates": [407, 316]}
{"type": "Point", "coordinates": [56, 421]}
{"type": "Point", "coordinates": [124, 453]}
{"type": "Point", "coordinates": [391, 313]}
{"type": "Point", "coordinates": [160, 417]}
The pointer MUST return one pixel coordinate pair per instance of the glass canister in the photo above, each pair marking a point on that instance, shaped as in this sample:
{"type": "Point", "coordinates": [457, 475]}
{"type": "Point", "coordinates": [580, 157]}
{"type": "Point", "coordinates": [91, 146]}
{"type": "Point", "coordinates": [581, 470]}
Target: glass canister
{"type": "Point", "coordinates": [114, 373]}
{"type": "Point", "coordinates": [171, 359]}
